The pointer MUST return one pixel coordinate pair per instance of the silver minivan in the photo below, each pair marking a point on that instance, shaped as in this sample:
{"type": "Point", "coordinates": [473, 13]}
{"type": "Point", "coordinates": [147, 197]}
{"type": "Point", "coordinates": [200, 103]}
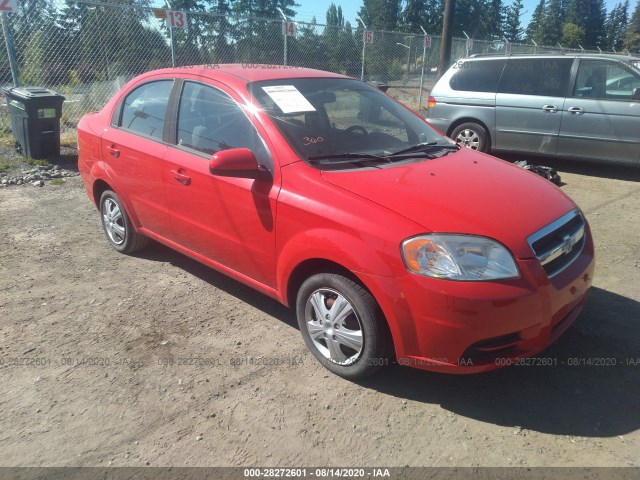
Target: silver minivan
{"type": "Point", "coordinates": [580, 106]}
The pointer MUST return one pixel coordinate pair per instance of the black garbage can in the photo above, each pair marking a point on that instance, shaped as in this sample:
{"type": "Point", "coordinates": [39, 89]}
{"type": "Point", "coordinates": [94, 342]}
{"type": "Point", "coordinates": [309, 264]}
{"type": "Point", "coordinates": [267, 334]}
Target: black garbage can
{"type": "Point", "coordinates": [35, 120]}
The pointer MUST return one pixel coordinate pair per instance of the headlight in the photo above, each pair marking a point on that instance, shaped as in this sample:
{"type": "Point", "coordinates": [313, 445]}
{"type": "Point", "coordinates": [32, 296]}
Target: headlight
{"type": "Point", "coordinates": [458, 257]}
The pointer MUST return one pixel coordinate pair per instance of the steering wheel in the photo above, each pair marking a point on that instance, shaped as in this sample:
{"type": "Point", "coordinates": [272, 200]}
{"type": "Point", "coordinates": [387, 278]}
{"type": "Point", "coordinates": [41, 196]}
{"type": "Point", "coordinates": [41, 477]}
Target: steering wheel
{"type": "Point", "coordinates": [356, 128]}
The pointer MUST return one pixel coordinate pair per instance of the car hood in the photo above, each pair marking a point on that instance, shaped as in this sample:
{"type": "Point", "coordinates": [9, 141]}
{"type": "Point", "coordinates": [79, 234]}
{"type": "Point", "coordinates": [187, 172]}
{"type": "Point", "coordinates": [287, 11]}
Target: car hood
{"type": "Point", "coordinates": [463, 192]}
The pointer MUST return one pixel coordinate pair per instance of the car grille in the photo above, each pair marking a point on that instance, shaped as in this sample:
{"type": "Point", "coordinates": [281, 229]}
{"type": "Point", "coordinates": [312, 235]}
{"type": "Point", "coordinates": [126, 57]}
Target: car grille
{"type": "Point", "coordinates": [558, 244]}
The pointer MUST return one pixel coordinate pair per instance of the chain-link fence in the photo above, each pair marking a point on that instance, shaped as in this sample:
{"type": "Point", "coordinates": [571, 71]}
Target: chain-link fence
{"type": "Point", "coordinates": [88, 50]}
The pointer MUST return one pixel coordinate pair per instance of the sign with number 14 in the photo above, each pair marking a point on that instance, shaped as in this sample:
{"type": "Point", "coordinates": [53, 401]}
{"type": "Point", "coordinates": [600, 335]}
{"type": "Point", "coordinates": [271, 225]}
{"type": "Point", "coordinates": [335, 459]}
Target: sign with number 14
{"type": "Point", "coordinates": [8, 6]}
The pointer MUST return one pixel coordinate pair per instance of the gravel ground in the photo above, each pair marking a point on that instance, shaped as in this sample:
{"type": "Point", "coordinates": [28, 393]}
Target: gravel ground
{"type": "Point", "coordinates": [156, 360]}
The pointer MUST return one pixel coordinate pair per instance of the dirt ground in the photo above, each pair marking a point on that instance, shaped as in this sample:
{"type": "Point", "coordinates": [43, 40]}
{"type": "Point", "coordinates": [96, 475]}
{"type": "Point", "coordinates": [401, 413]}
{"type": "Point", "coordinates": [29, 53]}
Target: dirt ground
{"type": "Point", "coordinates": [100, 379]}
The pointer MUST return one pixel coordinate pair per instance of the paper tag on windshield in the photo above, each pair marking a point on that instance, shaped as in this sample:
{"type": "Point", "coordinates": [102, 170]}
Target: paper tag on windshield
{"type": "Point", "coordinates": [289, 99]}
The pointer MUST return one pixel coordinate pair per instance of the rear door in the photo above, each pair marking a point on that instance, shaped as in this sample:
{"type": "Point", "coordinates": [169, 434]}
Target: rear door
{"type": "Point", "coordinates": [529, 103]}
{"type": "Point", "coordinates": [133, 148]}
{"type": "Point", "coordinates": [600, 121]}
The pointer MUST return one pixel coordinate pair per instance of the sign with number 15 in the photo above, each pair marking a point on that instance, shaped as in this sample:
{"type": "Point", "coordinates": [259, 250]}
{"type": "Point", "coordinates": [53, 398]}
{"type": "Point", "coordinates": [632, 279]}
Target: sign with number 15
{"type": "Point", "coordinates": [176, 19]}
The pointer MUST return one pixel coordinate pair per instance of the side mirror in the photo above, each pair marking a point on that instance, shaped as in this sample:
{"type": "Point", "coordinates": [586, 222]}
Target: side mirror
{"type": "Point", "coordinates": [636, 94]}
{"type": "Point", "coordinates": [236, 162]}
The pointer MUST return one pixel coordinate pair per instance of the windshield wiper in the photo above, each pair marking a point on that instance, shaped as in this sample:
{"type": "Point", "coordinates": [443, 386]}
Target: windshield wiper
{"type": "Point", "coordinates": [424, 147]}
{"type": "Point", "coordinates": [349, 157]}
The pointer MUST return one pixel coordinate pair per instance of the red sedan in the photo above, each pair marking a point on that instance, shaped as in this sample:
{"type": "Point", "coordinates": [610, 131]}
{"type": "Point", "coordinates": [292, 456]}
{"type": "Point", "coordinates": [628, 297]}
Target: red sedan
{"type": "Point", "coordinates": [321, 191]}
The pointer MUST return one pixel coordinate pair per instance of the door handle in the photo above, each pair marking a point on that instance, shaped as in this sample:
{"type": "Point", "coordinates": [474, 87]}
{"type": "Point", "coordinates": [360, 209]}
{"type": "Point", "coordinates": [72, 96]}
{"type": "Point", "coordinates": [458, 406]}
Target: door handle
{"type": "Point", "coordinates": [550, 108]}
{"type": "Point", "coordinates": [575, 110]}
{"type": "Point", "coordinates": [181, 177]}
{"type": "Point", "coordinates": [114, 152]}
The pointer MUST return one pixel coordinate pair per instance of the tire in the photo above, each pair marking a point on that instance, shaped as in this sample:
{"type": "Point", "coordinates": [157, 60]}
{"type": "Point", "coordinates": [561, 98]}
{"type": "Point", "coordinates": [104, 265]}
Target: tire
{"type": "Point", "coordinates": [352, 346]}
{"type": "Point", "coordinates": [471, 135]}
{"type": "Point", "coordinates": [117, 226]}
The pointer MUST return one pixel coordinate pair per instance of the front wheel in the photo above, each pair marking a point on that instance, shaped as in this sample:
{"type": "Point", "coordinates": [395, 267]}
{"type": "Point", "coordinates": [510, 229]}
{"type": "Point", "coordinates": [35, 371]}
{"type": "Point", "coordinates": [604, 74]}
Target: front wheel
{"type": "Point", "coordinates": [117, 225]}
{"type": "Point", "coordinates": [342, 325]}
{"type": "Point", "coordinates": [471, 135]}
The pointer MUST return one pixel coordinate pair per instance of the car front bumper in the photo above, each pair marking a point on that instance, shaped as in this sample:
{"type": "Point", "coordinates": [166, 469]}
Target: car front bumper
{"type": "Point", "coordinates": [470, 327]}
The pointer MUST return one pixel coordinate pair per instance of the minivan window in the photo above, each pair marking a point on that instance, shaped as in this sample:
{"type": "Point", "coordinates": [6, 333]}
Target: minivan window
{"type": "Point", "coordinates": [144, 109]}
{"type": "Point", "coordinates": [547, 77]}
{"type": "Point", "coordinates": [601, 79]}
{"type": "Point", "coordinates": [477, 75]}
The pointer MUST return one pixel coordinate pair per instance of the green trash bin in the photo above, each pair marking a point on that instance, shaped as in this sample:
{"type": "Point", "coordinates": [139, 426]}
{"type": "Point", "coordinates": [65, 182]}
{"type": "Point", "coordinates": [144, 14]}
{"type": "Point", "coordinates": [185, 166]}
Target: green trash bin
{"type": "Point", "coordinates": [35, 120]}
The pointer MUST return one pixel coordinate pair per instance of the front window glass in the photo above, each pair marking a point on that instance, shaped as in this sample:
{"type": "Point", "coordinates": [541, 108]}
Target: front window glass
{"type": "Point", "coordinates": [144, 109]}
{"type": "Point", "coordinates": [605, 80]}
{"type": "Point", "coordinates": [331, 116]}
{"type": "Point", "coordinates": [547, 77]}
{"type": "Point", "coordinates": [210, 121]}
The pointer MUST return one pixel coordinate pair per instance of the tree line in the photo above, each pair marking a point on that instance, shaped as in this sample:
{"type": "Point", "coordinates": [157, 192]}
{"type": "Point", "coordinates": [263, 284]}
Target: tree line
{"type": "Point", "coordinates": [82, 43]}
{"type": "Point", "coordinates": [570, 23]}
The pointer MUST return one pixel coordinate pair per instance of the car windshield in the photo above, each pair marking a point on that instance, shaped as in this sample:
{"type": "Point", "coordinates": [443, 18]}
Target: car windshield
{"type": "Point", "coordinates": [329, 120]}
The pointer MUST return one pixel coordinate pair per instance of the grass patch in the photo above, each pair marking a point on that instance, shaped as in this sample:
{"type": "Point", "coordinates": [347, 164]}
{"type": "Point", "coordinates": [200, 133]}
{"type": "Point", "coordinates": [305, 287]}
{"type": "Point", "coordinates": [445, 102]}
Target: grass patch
{"type": "Point", "coordinates": [34, 162]}
{"type": "Point", "coordinates": [6, 166]}
{"type": "Point", "coordinates": [56, 181]}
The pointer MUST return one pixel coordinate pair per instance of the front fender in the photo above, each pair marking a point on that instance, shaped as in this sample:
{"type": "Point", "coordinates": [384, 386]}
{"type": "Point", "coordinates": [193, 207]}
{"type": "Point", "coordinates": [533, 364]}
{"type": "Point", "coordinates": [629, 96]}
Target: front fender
{"type": "Point", "coordinates": [333, 246]}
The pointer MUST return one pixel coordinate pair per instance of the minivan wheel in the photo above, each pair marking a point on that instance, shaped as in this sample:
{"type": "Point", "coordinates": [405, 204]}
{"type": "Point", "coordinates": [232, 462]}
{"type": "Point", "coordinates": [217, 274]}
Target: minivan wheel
{"type": "Point", "coordinates": [117, 226]}
{"type": "Point", "coordinates": [471, 135]}
{"type": "Point", "coordinates": [342, 325]}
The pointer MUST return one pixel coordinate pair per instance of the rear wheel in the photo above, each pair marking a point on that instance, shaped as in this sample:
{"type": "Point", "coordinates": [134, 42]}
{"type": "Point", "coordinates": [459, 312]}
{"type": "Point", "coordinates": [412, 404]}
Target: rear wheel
{"type": "Point", "coordinates": [117, 226]}
{"type": "Point", "coordinates": [342, 325]}
{"type": "Point", "coordinates": [471, 135]}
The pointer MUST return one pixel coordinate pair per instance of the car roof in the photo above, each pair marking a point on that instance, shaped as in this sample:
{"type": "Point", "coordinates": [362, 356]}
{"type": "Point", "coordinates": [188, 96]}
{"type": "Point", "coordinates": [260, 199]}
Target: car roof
{"type": "Point", "coordinates": [608, 56]}
{"type": "Point", "coordinates": [249, 72]}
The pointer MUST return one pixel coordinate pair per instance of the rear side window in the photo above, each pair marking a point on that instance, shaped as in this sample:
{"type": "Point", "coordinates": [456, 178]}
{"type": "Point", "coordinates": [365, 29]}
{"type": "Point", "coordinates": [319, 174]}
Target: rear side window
{"type": "Point", "coordinates": [145, 107]}
{"type": "Point", "coordinates": [476, 76]}
{"type": "Point", "coordinates": [548, 77]}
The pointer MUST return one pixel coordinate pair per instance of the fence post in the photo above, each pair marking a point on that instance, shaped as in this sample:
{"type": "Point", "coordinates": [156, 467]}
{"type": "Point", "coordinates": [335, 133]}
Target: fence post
{"type": "Point", "coordinates": [8, 38]}
{"type": "Point", "coordinates": [424, 58]}
{"type": "Point", "coordinates": [286, 34]}
{"type": "Point", "coordinates": [364, 45]}
{"type": "Point", "coordinates": [173, 47]}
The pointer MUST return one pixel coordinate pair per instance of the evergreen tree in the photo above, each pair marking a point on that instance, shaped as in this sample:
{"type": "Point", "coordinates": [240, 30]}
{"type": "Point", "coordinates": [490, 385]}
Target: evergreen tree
{"type": "Point", "coordinates": [413, 15]}
{"type": "Point", "coordinates": [493, 19]}
{"type": "Point", "coordinates": [616, 26]}
{"type": "Point", "coordinates": [381, 14]}
{"type": "Point", "coordinates": [632, 37]}
{"type": "Point", "coordinates": [512, 30]}
{"type": "Point", "coordinates": [591, 16]}
{"type": "Point", "coordinates": [536, 24]}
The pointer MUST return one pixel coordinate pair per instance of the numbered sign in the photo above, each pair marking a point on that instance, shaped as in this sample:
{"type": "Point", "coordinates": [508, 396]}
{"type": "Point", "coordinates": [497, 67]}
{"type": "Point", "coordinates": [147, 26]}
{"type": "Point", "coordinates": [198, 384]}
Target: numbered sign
{"type": "Point", "coordinates": [469, 43]}
{"type": "Point", "coordinates": [176, 19]}
{"type": "Point", "coordinates": [427, 41]}
{"type": "Point", "coordinates": [8, 6]}
{"type": "Point", "coordinates": [367, 36]}
{"type": "Point", "coordinates": [289, 29]}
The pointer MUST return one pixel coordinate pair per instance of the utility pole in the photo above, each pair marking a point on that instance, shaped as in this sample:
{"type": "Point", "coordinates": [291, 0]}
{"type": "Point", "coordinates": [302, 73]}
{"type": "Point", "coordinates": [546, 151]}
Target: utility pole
{"type": "Point", "coordinates": [445, 48]}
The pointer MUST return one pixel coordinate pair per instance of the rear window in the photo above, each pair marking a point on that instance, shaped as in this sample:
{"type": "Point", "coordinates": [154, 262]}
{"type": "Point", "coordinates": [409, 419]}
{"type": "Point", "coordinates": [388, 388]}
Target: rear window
{"type": "Point", "coordinates": [476, 76]}
{"type": "Point", "coordinates": [548, 77]}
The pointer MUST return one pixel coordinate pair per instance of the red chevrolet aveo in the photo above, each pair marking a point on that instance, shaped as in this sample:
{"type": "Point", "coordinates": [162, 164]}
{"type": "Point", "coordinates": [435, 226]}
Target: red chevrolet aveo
{"type": "Point", "coordinates": [326, 194]}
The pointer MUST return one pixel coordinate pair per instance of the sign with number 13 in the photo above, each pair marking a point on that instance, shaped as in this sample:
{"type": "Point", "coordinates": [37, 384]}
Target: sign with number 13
{"type": "Point", "coordinates": [176, 19]}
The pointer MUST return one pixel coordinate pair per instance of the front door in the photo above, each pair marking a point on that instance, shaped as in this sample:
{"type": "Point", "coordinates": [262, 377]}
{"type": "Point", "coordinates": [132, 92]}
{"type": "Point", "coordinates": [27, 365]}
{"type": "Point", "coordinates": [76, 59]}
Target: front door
{"type": "Point", "coordinates": [600, 121]}
{"type": "Point", "coordinates": [229, 220]}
